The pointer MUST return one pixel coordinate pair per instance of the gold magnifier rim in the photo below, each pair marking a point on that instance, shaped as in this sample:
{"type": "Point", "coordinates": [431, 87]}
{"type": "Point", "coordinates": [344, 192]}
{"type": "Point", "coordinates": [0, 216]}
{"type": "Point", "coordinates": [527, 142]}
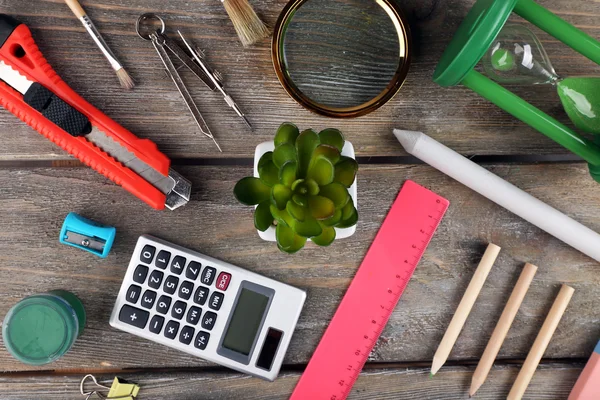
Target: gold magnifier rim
{"type": "Point", "coordinates": [336, 112]}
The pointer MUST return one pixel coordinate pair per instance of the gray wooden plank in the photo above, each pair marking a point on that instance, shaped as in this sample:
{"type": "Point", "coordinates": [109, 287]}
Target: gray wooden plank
{"type": "Point", "coordinates": [455, 116]}
{"type": "Point", "coordinates": [35, 202]}
{"type": "Point", "coordinates": [550, 382]}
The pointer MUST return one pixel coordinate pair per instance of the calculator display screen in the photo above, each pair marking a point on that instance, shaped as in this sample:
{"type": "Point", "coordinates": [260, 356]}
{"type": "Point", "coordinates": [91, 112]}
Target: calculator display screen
{"type": "Point", "coordinates": [245, 321]}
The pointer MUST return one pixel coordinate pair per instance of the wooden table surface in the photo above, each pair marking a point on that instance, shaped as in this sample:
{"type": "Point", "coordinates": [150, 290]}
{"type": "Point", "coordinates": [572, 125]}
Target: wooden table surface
{"type": "Point", "coordinates": [40, 185]}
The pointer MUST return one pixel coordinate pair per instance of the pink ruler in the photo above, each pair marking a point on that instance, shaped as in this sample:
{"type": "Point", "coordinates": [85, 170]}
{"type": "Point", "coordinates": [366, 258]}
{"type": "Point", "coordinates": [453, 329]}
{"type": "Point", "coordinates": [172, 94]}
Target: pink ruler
{"type": "Point", "coordinates": [372, 295]}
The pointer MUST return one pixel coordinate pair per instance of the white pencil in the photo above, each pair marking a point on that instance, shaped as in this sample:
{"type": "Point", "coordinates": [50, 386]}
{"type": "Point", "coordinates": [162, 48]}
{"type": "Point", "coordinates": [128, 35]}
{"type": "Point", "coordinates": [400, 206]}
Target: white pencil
{"type": "Point", "coordinates": [501, 192]}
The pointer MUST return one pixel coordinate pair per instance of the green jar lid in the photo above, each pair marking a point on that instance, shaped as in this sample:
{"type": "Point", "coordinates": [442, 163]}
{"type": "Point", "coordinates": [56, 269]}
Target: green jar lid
{"type": "Point", "coordinates": [40, 329]}
{"type": "Point", "coordinates": [472, 39]}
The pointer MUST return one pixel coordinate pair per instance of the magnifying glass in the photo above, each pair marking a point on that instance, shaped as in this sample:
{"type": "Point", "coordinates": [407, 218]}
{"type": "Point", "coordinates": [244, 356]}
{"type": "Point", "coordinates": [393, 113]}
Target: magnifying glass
{"type": "Point", "coordinates": [341, 58]}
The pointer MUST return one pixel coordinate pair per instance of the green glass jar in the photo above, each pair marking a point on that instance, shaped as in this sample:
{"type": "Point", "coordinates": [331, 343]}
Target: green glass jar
{"type": "Point", "coordinates": [42, 328]}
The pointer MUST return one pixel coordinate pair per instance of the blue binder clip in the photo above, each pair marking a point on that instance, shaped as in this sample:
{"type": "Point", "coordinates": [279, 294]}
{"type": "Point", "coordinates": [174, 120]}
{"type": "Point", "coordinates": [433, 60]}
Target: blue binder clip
{"type": "Point", "coordinates": [87, 235]}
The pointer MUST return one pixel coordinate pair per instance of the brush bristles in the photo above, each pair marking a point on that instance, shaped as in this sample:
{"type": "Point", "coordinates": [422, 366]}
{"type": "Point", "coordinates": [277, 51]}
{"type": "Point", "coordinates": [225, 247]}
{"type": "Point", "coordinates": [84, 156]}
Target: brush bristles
{"type": "Point", "coordinates": [247, 24]}
{"type": "Point", "coordinates": [125, 80]}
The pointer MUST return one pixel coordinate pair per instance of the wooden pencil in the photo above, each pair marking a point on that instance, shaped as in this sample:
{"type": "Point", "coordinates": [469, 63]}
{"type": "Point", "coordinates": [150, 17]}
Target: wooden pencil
{"type": "Point", "coordinates": [541, 343]}
{"type": "Point", "coordinates": [502, 327]}
{"type": "Point", "coordinates": [464, 308]}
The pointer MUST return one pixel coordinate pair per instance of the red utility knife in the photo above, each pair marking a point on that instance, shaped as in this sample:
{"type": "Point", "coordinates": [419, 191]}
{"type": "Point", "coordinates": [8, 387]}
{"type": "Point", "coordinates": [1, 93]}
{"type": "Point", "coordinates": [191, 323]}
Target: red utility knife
{"type": "Point", "coordinates": [31, 90]}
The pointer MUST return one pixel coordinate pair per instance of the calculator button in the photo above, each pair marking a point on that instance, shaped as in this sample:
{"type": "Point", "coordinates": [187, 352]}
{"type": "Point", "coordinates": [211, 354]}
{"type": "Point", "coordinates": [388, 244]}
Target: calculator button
{"type": "Point", "coordinates": [192, 270]}
{"type": "Point", "coordinates": [162, 260]}
{"type": "Point", "coordinates": [133, 293]}
{"type": "Point", "coordinates": [193, 315]}
{"type": "Point", "coordinates": [201, 295]}
{"type": "Point", "coordinates": [171, 329]}
{"type": "Point", "coordinates": [185, 291]}
{"type": "Point", "coordinates": [187, 335]}
{"type": "Point", "coordinates": [208, 322]}
{"type": "Point", "coordinates": [155, 279]}
{"type": "Point", "coordinates": [148, 299]}
{"type": "Point", "coordinates": [216, 301]}
{"type": "Point", "coordinates": [134, 316]}
{"type": "Point", "coordinates": [223, 281]}
{"type": "Point", "coordinates": [202, 340]}
{"type": "Point", "coordinates": [208, 275]}
{"type": "Point", "coordinates": [178, 309]}
{"type": "Point", "coordinates": [156, 324]}
{"type": "Point", "coordinates": [140, 273]}
{"type": "Point", "coordinates": [147, 254]}
{"type": "Point", "coordinates": [162, 306]}
{"type": "Point", "coordinates": [171, 283]}
{"type": "Point", "coordinates": [177, 265]}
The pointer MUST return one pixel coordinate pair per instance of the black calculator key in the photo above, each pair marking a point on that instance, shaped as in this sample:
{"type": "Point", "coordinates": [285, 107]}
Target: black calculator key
{"type": "Point", "coordinates": [147, 254]}
{"type": "Point", "coordinates": [201, 295]}
{"type": "Point", "coordinates": [202, 340]}
{"type": "Point", "coordinates": [148, 299]}
{"type": "Point", "coordinates": [178, 309]}
{"type": "Point", "coordinates": [162, 306]}
{"type": "Point", "coordinates": [171, 329]}
{"type": "Point", "coordinates": [162, 260]}
{"type": "Point", "coordinates": [155, 279]}
{"type": "Point", "coordinates": [171, 283]}
{"type": "Point", "coordinates": [209, 320]}
{"type": "Point", "coordinates": [187, 335]}
{"type": "Point", "coordinates": [216, 301]}
{"type": "Point", "coordinates": [177, 265]}
{"type": "Point", "coordinates": [192, 270]}
{"type": "Point", "coordinates": [133, 293]}
{"type": "Point", "coordinates": [208, 275]}
{"type": "Point", "coordinates": [134, 316]}
{"type": "Point", "coordinates": [193, 315]}
{"type": "Point", "coordinates": [140, 273]}
{"type": "Point", "coordinates": [185, 290]}
{"type": "Point", "coordinates": [156, 324]}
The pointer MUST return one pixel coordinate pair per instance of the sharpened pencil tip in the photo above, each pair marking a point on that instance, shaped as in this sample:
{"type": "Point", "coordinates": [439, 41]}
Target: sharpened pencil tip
{"type": "Point", "coordinates": [431, 375]}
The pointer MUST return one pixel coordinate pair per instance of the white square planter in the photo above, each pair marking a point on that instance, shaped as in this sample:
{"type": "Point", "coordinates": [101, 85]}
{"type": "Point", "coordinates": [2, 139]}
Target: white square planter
{"type": "Point", "coordinates": [348, 151]}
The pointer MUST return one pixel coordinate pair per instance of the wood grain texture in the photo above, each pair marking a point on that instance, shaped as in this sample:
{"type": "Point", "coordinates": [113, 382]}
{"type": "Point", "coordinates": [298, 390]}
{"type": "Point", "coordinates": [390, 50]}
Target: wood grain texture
{"type": "Point", "coordinates": [551, 382]}
{"type": "Point", "coordinates": [35, 202]}
{"type": "Point", "coordinates": [454, 116]}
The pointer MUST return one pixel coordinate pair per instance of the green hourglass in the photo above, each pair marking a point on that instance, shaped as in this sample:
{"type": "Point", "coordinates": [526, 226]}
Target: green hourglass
{"type": "Point", "coordinates": [512, 54]}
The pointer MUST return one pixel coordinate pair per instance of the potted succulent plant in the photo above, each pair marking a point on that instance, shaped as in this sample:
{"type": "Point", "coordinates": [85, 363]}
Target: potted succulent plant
{"type": "Point", "coordinates": [304, 188]}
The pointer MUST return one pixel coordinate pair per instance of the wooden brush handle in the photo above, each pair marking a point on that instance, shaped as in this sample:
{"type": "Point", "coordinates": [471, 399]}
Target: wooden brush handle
{"type": "Point", "coordinates": [76, 8]}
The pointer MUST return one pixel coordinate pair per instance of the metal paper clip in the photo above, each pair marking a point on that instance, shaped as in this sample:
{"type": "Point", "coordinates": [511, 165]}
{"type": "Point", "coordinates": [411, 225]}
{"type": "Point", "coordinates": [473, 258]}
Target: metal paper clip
{"type": "Point", "coordinates": [119, 390]}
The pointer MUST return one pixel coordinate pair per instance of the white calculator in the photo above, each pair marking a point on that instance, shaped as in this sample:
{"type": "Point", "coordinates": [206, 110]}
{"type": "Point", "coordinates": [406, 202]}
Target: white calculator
{"type": "Point", "coordinates": [207, 308]}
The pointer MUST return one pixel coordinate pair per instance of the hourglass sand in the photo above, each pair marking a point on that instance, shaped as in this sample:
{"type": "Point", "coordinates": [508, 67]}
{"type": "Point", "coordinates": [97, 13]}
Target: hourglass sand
{"type": "Point", "coordinates": [483, 35]}
{"type": "Point", "coordinates": [517, 56]}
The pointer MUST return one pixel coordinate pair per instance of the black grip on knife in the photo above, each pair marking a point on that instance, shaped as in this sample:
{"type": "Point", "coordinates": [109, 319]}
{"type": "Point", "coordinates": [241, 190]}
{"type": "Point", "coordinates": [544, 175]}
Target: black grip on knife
{"type": "Point", "coordinates": [56, 110]}
{"type": "Point", "coordinates": [7, 25]}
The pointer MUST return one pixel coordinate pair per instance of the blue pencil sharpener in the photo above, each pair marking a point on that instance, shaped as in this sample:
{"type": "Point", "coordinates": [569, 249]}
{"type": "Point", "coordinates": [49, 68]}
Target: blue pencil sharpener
{"type": "Point", "coordinates": [87, 235]}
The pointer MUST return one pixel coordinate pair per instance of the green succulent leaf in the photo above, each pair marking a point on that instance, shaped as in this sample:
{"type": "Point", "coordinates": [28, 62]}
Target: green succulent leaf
{"type": "Point", "coordinates": [300, 199]}
{"type": "Point", "coordinates": [345, 171]}
{"type": "Point", "coordinates": [321, 207]}
{"type": "Point", "coordinates": [309, 228]}
{"type": "Point", "coordinates": [268, 173]}
{"type": "Point", "coordinates": [306, 144]}
{"type": "Point", "coordinates": [287, 240]}
{"type": "Point", "coordinates": [313, 187]}
{"type": "Point", "coordinates": [321, 170]}
{"type": "Point", "coordinates": [287, 133]}
{"type": "Point", "coordinates": [287, 173]}
{"type": "Point", "coordinates": [251, 191]}
{"type": "Point", "coordinates": [283, 153]}
{"type": "Point", "coordinates": [263, 218]}
{"type": "Point", "coordinates": [329, 152]}
{"type": "Point", "coordinates": [337, 193]}
{"type": "Point", "coordinates": [281, 216]}
{"type": "Point", "coordinates": [265, 158]}
{"type": "Point", "coordinates": [280, 195]}
{"type": "Point", "coordinates": [326, 237]}
{"type": "Point", "coordinates": [332, 137]}
{"type": "Point", "coordinates": [349, 216]}
{"type": "Point", "coordinates": [334, 219]}
{"type": "Point", "coordinates": [297, 212]}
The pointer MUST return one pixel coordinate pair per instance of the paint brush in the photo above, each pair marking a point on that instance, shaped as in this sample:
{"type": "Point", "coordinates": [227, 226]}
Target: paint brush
{"type": "Point", "coordinates": [247, 24]}
{"type": "Point", "coordinates": [124, 78]}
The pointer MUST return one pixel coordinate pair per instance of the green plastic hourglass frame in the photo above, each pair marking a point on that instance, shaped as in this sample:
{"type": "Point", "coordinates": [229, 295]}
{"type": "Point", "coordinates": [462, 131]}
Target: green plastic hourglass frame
{"type": "Point", "coordinates": [512, 54]}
